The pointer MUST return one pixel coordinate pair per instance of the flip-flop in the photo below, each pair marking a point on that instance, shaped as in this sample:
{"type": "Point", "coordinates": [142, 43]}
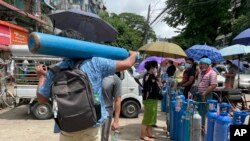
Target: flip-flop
{"type": "Point", "coordinates": [153, 137]}
{"type": "Point", "coordinates": [146, 139]}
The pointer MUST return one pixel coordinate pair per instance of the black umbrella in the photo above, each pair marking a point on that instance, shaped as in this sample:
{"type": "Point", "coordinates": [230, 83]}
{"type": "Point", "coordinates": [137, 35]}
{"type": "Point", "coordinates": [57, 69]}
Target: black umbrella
{"type": "Point", "coordinates": [90, 25]}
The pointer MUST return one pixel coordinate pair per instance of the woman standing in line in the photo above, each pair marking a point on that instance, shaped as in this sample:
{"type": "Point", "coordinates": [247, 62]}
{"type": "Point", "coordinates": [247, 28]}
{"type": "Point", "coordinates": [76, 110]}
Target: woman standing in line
{"type": "Point", "coordinates": [151, 91]}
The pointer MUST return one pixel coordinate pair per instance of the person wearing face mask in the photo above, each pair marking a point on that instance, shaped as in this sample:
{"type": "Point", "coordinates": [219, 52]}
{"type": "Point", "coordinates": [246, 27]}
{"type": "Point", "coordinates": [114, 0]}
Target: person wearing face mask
{"type": "Point", "coordinates": [207, 82]}
{"type": "Point", "coordinates": [179, 72]}
{"type": "Point", "coordinates": [188, 76]}
{"type": "Point", "coordinates": [151, 91]}
{"type": "Point", "coordinates": [171, 68]}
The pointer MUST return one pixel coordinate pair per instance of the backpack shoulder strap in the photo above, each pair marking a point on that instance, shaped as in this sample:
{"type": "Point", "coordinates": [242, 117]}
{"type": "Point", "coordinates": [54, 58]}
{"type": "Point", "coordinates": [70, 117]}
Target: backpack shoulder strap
{"type": "Point", "coordinates": [77, 64]}
{"type": "Point", "coordinates": [55, 68]}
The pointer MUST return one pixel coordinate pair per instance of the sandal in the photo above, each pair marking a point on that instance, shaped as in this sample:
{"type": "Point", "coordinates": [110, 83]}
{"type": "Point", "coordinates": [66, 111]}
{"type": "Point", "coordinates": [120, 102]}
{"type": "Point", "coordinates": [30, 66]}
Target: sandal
{"type": "Point", "coordinates": [153, 137]}
{"type": "Point", "coordinates": [146, 138]}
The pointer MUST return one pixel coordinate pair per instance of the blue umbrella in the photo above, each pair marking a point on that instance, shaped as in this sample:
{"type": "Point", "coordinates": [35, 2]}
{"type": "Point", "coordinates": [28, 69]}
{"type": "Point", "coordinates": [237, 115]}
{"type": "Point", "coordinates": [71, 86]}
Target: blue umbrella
{"type": "Point", "coordinates": [238, 63]}
{"type": "Point", "coordinates": [243, 38]}
{"type": "Point", "coordinates": [198, 51]}
{"type": "Point", "coordinates": [235, 50]}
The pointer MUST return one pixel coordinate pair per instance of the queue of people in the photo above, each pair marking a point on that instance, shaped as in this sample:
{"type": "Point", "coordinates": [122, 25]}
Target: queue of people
{"type": "Point", "coordinates": [106, 85]}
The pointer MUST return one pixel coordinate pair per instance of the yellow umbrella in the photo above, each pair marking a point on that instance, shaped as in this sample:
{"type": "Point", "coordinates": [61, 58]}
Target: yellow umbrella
{"type": "Point", "coordinates": [163, 49]}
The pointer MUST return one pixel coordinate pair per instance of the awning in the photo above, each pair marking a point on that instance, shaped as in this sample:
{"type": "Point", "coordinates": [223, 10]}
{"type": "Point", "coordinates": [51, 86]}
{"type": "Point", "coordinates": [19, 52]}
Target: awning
{"type": "Point", "coordinates": [21, 12]}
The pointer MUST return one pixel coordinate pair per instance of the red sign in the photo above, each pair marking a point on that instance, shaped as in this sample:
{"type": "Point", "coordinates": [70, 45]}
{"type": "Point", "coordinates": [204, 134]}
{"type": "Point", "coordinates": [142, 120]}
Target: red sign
{"type": "Point", "coordinates": [18, 37]}
{"type": "Point", "coordinates": [4, 35]}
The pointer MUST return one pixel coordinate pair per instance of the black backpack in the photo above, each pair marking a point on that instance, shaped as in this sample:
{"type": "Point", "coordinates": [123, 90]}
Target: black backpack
{"type": "Point", "coordinates": [73, 99]}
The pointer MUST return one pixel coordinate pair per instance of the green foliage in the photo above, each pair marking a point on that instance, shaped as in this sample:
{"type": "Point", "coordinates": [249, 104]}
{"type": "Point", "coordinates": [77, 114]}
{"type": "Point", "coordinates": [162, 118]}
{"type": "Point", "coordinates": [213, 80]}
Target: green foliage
{"type": "Point", "coordinates": [202, 19]}
{"type": "Point", "coordinates": [130, 28]}
{"type": "Point", "coordinates": [242, 18]}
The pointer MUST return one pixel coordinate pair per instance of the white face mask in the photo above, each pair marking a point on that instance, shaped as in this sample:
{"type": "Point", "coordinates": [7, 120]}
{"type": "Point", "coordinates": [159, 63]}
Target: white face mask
{"type": "Point", "coordinates": [181, 67]}
{"type": "Point", "coordinates": [187, 65]}
{"type": "Point", "coordinates": [155, 71]}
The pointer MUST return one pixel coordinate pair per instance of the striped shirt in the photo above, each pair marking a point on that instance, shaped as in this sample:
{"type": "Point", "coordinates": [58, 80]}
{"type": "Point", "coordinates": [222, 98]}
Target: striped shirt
{"type": "Point", "coordinates": [206, 79]}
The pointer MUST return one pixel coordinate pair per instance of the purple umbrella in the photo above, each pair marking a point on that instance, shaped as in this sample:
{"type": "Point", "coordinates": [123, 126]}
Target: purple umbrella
{"type": "Point", "coordinates": [141, 68]}
{"type": "Point", "coordinates": [243, 38]}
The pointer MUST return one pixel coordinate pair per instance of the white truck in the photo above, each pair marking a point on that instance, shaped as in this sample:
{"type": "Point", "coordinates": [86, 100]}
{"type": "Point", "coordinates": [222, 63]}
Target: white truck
{"type": "Point", "coordinates": [25, 86]}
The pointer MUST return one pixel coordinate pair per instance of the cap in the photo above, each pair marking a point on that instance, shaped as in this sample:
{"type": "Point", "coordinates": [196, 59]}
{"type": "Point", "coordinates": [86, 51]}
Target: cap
{"type": "Point", "coordinates": [205, 61]}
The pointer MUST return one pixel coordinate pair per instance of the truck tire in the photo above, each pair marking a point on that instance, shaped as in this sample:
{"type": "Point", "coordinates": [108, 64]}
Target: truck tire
{"type": "Point", "coordinates": [42, 111]}
{"type": "Point", "coordinates": [130, 109]}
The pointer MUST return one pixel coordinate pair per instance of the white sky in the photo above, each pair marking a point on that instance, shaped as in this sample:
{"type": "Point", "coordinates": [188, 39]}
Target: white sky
{"type": "Point", "coordinates": [140, 7]}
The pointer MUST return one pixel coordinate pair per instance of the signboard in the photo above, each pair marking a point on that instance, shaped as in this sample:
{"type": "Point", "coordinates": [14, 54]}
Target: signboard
{"type": "Point", "coordinates": [4, 35]}
{"type": "Point", "coordinates": [18, 37]}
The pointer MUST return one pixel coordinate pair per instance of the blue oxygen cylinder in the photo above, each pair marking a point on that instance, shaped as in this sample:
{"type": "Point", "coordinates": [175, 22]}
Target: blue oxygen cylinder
{"type": "Point", "coordinates": [210, 119]}
{"type": "Point", "coordinates": [244, 114]}
{"type": "Point", "coordinates": [237, 117]}
{"type": "Point", "coordinates": [196, 126]}
{"type": "Point", "coordinates": [172, 116]}
{"type": "Point", "coordinates": [222, 123]}
{"type": "Point", "coordinates": [170, 93]}
{"type": "Point", "coordinates": [46, 44]}
{"type": "Point", "coordinates": [181, 90]}
{"type": "Point", "coordinates": [164, 100]}
{"type": "Point", "coordinates": [186, 122]}
{"type": "Point", "coordinates": [182, 117]}
{"type": "Point", "coordinates": [177, 117]}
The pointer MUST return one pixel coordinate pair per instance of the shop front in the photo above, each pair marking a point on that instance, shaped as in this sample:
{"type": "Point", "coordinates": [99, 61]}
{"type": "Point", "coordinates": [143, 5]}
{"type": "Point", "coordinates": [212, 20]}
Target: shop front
{"type": "Point", "coordinates": [11, 34]}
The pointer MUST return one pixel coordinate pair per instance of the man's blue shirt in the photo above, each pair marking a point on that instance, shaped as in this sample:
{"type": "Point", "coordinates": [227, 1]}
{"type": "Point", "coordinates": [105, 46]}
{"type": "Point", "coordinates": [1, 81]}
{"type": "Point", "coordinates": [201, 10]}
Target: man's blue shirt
{"type": "Point", "coordinates": [96, 69]}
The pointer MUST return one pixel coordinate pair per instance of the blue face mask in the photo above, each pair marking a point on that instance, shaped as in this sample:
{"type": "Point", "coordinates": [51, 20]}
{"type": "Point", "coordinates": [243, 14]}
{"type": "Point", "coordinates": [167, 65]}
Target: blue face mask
{"type": "Point", "coordinates": [187, 65]}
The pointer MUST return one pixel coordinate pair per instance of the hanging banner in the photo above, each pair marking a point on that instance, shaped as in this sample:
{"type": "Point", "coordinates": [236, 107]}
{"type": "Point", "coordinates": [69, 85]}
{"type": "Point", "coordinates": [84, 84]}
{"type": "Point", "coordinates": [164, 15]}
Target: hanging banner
{"type": "Point", "coordinates": [12, 34]}
{"type": "Point", "coordinates": [18, 37]}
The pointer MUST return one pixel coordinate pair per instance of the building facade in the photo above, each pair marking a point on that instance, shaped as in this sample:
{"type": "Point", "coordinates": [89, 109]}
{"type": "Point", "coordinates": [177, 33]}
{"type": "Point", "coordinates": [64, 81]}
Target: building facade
{"type": "Point", "coordinates": [92, 6]}
{"type": "Point", "coordinates": [20, 17]}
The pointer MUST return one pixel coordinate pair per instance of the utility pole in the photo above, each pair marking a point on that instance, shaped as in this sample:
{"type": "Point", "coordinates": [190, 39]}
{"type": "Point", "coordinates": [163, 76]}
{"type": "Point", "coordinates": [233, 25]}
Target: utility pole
{"type": "Point", "coordinates": [146, 27]}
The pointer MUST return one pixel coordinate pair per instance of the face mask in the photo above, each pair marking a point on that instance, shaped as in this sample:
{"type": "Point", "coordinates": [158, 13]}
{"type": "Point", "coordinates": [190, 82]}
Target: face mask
{"type": "Point", "coordinates": [203, 69]}
{"type": "Point", "coordinates": [155, 71]}
{"type": "Point", "coordinates": [181, 67]}
{"type": "Point", "coordinates": [187, 65]}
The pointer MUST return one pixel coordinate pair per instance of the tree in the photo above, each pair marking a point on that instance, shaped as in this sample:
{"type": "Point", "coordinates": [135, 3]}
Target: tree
{"type": "Point", "coordinates": [241, 19]}
{"type": "Point", "coordinates": [130, 28]}
{"type": "Point", "coordinates": [138, 23]}
{"type": "Point", "coordinates": [203, 20]}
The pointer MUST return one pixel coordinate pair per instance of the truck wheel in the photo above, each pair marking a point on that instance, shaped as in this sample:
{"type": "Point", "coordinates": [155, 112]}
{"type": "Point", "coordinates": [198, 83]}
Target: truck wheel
{"type": "Point", "coordinates": [42, 111]}
{"type": "Point", "coordinates": [130, 109]}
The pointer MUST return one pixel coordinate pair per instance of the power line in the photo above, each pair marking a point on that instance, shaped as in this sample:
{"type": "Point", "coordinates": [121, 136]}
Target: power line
{"type": "Point", "coordinates": [158, 9]}
{"type": "Point", "coordinates": [154, 7]}
{"type": "Point", "coordinates": [160, 20]}
{"type": "Point", "coordinates": [183, 6]}
{"type": "Point", "coordinates": [156, 3]}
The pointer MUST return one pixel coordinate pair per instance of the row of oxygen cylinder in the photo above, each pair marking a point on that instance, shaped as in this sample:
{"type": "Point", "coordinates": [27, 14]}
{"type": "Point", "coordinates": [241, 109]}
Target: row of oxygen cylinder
{"type": "Point", "coordinates": [184, 123]}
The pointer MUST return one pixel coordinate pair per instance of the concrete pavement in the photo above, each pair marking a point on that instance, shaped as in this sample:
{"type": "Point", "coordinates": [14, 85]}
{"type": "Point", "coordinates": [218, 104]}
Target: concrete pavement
{"type": "Point", "coordinates": [17, 125]}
